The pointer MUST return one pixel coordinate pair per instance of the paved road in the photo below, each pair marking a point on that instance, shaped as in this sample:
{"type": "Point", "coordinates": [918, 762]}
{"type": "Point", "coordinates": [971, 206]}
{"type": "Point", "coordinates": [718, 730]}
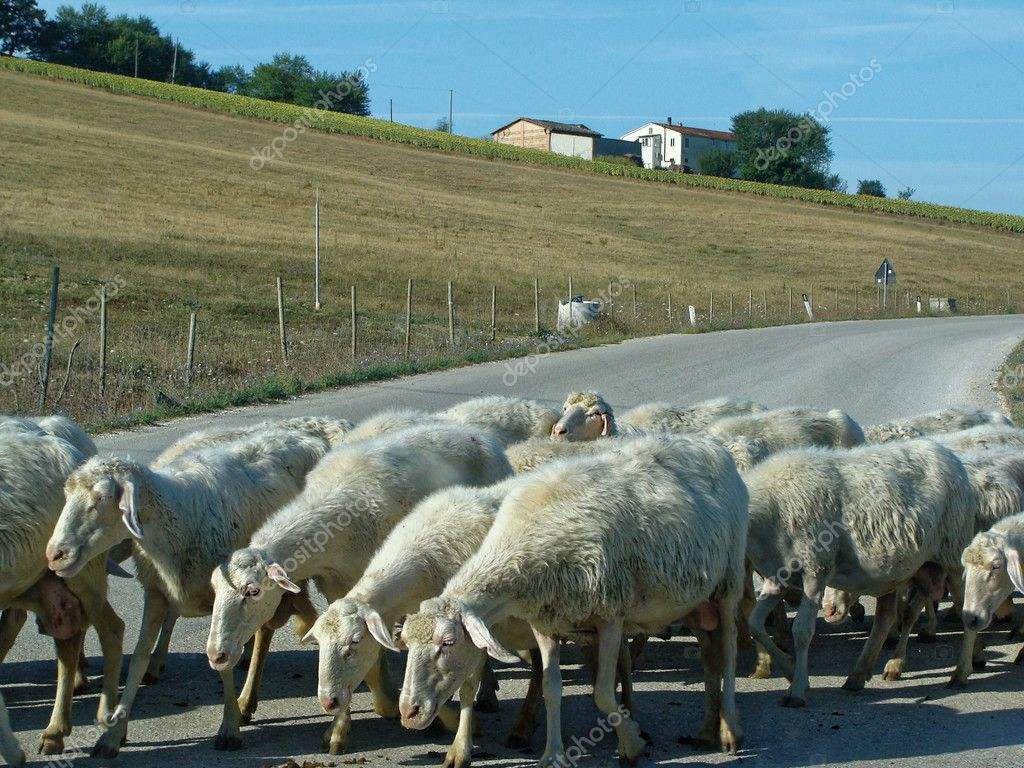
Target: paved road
{"type": "Point", "coordinates": [874, 370]}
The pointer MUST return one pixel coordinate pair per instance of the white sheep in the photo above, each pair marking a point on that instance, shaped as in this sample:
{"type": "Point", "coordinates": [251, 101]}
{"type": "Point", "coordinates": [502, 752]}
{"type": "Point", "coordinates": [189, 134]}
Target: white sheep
{"type": "Point", "coordinates": [593, 548]}
{"type": "Point", "coordinates": [511, 419]}
{"type": "Point", "coordinates": [35, 468]}
{"type": "Point", "coordinates": [353, 499]}
{"type": "Point", "coordinates": [58, 426]}
{"type": "Point", "coordinates": [10, 749]}
{"type": "Point", "coordinates": [185, 519]}
{"type": "Point", "coordinates": [992, 573]}
{"type": "Point", "coordinates": [588, 416]}
{"type": "Point", "coordinates": [332, 430]}
{"type": "Point", "coordinates": [786, 428]}
{"type": "Point", "coordinates": [949, 420]}
{"type": "Point", "coordinates": [387, 422]}
{"type": "Point", "coordinates": [986, 436]}
{"type": "Point", "coordinates": [530, 454]}
{"type": "Point", "coordinates": [866, 521]}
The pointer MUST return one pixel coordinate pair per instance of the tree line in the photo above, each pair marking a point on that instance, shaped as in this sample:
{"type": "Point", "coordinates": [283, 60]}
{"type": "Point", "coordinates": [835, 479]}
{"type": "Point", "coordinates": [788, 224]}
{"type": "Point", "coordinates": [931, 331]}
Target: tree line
{"type": "Point", "coordinates": [91, 38]}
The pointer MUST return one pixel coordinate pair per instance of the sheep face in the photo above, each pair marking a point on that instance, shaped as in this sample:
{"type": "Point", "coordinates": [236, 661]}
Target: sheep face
{"type": "Point", "coordinates": [579, 423]}
{"type": "Point", "coordinates": [247, 592]}
{"type": "Point", "coordinates": [441, 658]}
{"type": "Point", "coordinates": [97, 509]}
{"type": "Point", "coordinates": [348, 650]}
{"type": "Point", "coordinates": [992, 571]}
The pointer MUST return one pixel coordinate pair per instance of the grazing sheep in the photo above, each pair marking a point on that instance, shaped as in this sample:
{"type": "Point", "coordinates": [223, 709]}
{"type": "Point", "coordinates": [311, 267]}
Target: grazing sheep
{"type": "Point", "coordinates": [992, 573]}
{"type": "Point", "coordinates": [949, 420]}
{"type": "Point", "coordinates": [787, 428]}
{"type": "Point", "coordinates": [185, 518]}
{"type": "Point", "coordinates": [866, 521]}
{"type": "Point", "coordinates": [986, 436]}
{"type": "Point", "coordinates": [593, 548]}
{"type": "Point", "coordinates": [10, 749]}
{"type": "Point", "coordinates": [35, 468]}
{"type": "Point", "coordinates": [587, 416]}
{"type": "Point", "coordinates": [353, 499]}
{"type": "Point", "coordinates": [511, 419]}
{"type": "Point", "coordinates": [331, 430]}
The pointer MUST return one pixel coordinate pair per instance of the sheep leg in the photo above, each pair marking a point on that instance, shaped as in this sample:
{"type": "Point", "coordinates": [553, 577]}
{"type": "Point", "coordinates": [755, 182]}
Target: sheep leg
{"type": "Point", "coordinates": [11, 623]}
{"type": "Point", "coordinates": [911, 613]}
{"type": "Point", "coordinates": [229, 737]}
{"type": "Point", "coordinates": [385, 697]}
{"type": "Point", "coordinates": [885, 616]}
{"type": "Point", "coordinates": [10, 749]}
{"type": "Point", "coordinates": [624, 675]}
{"type": "Point", "coordinates": [554, 751]}
{"type": "Point", "coordinates": [730, 733]}
{"type": "Point", "coordinates": [153, 613]}
{"type": "Point", "coordinates": [771, 596]}
{"type": "Point", "coordinates": [971, 646]}
{"type": "Point", "coordinates": [803, 632]}
{"type": "Point", "coordinates": [336, 736]}
{"type": "Point", "coordinates": [250, 696]}
{"type": "Point", "coordinates": [711, 663]}
{"type": "Point", "coordinates": [929, 632]}
{"type": "Point", "coordinates": [487, 696]}
{"type": "Point", "coordinates": [110, 630]}
{"type": "Point", "coordinates": [460, 753]}
{"type": "Point", "coordinates": [68, 651]}
{"type": "Point", "coordinates": [163, 645]}
{"type": "Point", "coordinates": [526, 720]}
{"type": "Point", "coordinates": [609, 646]}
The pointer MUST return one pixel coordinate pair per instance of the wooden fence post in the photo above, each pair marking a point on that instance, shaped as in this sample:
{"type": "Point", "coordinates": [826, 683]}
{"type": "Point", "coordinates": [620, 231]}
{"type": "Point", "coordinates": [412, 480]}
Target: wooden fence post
{"type": "Point", "coordinates": [711, 308]}
{"type": "Point", "coordinates": [750, 305]}
{"type": "Point", "coordinates": [316, 251]}
{"type": "Point", "coordinates": [732, 314]}
{"type": "Point", "coordinates": [634, 301]}
{"type": "Point", "coordinates": [280, 322]}
{"type": "Point", "coordinates": [103, 341]}
{"type": "Point", "coordinates": [536, 307]}
{"type": "Point", "coordinates": [494, 312]}
{"type": "Point", "coordinates": [354, 320]}
{"type": "Point", "coordinates": [670, 306]}
{"type": "Point", "coordinates": [570, 288]}
{"type": "Point", "coordinates": [451, 317]}
{"type": "Point", "coordinates": [51, 319]}
{"type": "Point", "coordinates": [764, 302]}
{"type": "Point", "coordinates": [190, 355]}
{"type": "Point", "coordinates": [408, 317]}
{"type": "Point", "coordinates": [791, 303]}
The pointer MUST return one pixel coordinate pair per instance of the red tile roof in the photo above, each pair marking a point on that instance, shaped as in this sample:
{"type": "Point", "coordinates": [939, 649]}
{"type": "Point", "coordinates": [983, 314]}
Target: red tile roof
{"type": "Point", "coordinates": [704, 133]}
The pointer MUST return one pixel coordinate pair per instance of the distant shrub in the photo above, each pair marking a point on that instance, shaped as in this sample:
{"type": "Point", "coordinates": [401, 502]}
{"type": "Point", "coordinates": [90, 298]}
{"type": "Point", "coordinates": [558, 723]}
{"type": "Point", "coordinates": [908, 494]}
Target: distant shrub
{"type": "Point", "coordinates": [383, 130]}
{"type": "Point", "coordinates": [617, 160]}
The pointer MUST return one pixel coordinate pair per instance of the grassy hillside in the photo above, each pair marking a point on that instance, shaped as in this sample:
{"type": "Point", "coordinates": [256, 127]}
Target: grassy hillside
{"type": "Point", "coordinates": [164, 197]}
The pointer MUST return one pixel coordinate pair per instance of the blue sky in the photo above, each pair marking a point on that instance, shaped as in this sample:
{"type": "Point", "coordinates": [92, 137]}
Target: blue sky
{"type": "Point", "coordinates": [943, 110]}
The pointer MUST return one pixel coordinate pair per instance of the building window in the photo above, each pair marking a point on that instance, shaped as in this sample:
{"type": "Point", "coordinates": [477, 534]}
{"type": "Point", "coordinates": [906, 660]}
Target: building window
{"type": "Point", "coordinates": [672, 142]}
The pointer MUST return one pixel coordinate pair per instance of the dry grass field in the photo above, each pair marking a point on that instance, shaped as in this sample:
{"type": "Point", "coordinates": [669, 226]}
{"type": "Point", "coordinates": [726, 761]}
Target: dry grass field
{"type": "Point", "coordinates": [163, 198]}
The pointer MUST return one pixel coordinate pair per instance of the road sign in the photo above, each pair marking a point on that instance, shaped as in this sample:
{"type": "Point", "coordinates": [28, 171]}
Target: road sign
{"type": "Point", "coordinates": [885, 274]}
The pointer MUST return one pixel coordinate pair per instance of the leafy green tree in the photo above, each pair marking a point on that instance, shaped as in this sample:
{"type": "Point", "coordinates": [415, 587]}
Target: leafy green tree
{"type": "Point", "coordinates": [782, 147]}
{"type": "Point", "coordinates": [872, 187]}
{"type": "Point", "coordinates": [443, 125]}
{"type": "Point", "coordinates": [720, 162]}
{"type": "Point", "coordinates": [907, 193]}
{"type": "Point", "coordinates": [292, 79]}
{"type": "Point", "coordinates": [22, 25]}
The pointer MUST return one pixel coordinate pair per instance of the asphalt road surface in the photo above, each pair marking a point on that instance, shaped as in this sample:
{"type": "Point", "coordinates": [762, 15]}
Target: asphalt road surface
{"type": "Point", "coordinates": [874, 370]}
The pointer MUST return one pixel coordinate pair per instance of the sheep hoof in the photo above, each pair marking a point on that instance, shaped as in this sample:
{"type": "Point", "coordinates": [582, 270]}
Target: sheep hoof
{"type": "Point", "coordinates": [1020, 658]}
{"type": "Point", "coordinates": [51, 744]}
{"type": "Point", "coordinates": [731, 740]}
{"type": "Point", "coordinates": [794, 702]}
{"type": "Point", "coordinates": [81, 685]}
{"type": "Point", "coordinates": [762, 672]}
{"type": "Point", "coordinates": [227, 742]}
{"type": "Point", "coordinates": [957, 681]}
{"type": "Point", "coordinates": [893, 671]}
{"type": "Point", "coordinates": [246, 718]}
{"type": "Point", "coordinates": [854, 684]}
{"type": "Point", "coordinates": [927, 638]}
{"type": "Point", "coordinates": [455, 759]}
{"type": "Point", "coordinates": [109, 744]}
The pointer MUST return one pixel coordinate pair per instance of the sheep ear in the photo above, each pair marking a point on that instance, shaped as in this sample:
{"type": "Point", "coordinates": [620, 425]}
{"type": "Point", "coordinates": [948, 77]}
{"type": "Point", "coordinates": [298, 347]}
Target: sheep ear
{"type": "Point", "coordinates": [309, 638]}
{"type": "Point", "coordinates": [607, 427]}
{"type": "Point", "coordinates": [482, 638]}
{"type": "Point", "coordinates": [129, 506]}
{"type": "Point", "coordinates": [379, 630]}
{"type": "Point", "coordinates": [279, 576]}
{"type": "Point", "coordinates": [1013, 568]}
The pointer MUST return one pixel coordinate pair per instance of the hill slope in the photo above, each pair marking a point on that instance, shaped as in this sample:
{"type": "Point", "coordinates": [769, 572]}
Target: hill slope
{"type": "Point", "coordinates": [165, 197]}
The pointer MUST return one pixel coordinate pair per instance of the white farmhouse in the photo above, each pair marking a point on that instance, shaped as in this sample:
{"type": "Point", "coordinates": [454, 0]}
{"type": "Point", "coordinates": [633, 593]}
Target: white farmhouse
{"type": "Point", "coordinates": [572, 139]}
{"type": "Point", "coordinates": [670, 145]}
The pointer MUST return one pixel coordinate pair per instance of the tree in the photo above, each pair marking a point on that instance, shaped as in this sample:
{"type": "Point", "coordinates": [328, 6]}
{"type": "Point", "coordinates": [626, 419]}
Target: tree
{"type": "Point", "coordinates": [292, 79]}
{"type": "Point", "coordinates": [720, 162]}
{"type": "Point", "coordinates": [22, 24]}
{"type": "Point", "coordinates": [442, 125]}
{"type": "Point", "coordinates": [872, 187]}
{"type": "Point", "coordinates": [782, 147]}
{"type": "Point", "coordinates": [906, 193]}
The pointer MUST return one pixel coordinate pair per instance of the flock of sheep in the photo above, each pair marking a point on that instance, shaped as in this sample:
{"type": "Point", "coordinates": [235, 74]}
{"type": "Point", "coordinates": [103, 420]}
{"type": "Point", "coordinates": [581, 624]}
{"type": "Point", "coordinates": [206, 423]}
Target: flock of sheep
{"type": "Point", "coordinates": [499, 529]}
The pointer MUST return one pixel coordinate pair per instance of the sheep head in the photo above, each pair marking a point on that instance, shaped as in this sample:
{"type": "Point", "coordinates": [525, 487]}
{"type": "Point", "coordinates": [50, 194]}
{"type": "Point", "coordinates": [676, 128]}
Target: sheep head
{"type": "Point", "coordinates": [103, 506]}
{"type": "Point", "coordinates": [349, 634]}
{"type": "Point", "coordinates": [247, 591]}
{"type": "Point", "coordinates": [992, 571]}
{"type": "Point", "coordinates": [585, 416]}
{"type": "Point", "coordinates": [448, 645]}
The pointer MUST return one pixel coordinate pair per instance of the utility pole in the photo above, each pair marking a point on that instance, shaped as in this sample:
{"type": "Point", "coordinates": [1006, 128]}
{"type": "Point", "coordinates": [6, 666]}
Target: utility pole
{"type": "Point", "coordinates": [136, 55]}
{"type": "Point", "coordinates": [174, 62]}
{"type": "Point", "coordinates": [391, 109]}
{"type": "Point", "coordinates": [451, 102]}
